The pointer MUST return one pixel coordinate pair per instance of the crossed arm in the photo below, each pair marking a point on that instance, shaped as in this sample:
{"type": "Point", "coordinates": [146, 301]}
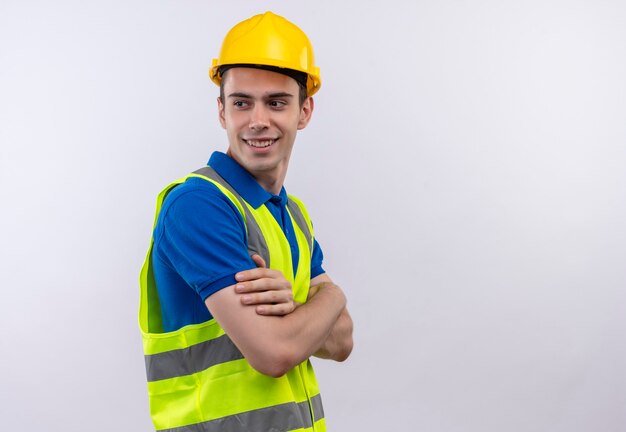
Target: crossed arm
{"type": "Point", "coordinates": [273, 333]}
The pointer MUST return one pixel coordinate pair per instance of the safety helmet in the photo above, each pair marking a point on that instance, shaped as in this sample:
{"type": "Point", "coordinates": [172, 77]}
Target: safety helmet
{"type": "Point", "coordinates": [268, 40]}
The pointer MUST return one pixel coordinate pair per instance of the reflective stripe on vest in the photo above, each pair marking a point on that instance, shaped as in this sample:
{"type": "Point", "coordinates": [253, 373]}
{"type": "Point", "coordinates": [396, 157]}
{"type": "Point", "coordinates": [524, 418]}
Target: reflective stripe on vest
{"type": "Point", "coordinates": [285, 417]}
{"type": "Point", "coordinates": [187, 361]}
{"type": "Point", "coordinates": [198, 381]}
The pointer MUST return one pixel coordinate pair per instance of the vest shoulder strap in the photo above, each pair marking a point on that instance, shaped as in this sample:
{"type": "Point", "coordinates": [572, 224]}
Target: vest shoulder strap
{"type": "Point", "coordinates": [256, 241]}
{"type": "Point", "coordinates": [298, 217]}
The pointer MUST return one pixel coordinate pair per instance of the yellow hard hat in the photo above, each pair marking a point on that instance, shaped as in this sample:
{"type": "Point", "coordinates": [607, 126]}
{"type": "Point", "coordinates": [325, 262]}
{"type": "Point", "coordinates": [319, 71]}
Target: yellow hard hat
{"type": "Point", "coordinates": [268, 40]}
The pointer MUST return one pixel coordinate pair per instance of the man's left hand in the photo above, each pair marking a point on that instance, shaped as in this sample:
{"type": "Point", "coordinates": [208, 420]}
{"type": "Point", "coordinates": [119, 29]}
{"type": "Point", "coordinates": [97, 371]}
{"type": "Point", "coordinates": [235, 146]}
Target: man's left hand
{"type": "Point", "coordinates": [266, 289]}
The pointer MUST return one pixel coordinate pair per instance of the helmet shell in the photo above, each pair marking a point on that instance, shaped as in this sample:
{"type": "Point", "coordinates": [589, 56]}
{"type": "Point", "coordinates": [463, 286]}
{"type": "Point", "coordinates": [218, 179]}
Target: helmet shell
{"type": "Point", "coordinates": [268, 40]}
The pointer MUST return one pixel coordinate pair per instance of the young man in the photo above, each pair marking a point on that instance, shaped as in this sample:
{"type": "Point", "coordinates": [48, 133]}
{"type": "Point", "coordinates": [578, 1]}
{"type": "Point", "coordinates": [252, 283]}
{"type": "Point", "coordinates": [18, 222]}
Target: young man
{"type": "Point", "coordinates": [234, 298]}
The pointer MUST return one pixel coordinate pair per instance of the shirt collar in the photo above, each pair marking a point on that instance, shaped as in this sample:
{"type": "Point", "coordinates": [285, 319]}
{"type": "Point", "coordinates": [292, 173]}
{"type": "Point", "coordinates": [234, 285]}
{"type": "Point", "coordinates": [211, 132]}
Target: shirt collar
{"type": "Point", "coordinates": [243, 182]}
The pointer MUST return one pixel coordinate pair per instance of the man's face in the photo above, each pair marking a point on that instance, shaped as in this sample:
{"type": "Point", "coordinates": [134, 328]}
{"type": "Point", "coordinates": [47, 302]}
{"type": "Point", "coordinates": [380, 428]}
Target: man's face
{"type": "Point", "coordinates": [261, 115]}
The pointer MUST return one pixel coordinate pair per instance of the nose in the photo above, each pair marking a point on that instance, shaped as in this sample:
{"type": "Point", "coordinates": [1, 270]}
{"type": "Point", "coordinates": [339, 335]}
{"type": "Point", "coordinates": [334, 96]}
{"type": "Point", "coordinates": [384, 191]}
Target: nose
{"type": "Point", "coordinates": [259, 117]}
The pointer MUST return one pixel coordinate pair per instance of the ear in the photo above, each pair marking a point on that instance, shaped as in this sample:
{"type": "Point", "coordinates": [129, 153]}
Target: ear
{"type": "Point", "coordinates": [306, 111]}
{"type": "Point", "coordinates": [220, 112]}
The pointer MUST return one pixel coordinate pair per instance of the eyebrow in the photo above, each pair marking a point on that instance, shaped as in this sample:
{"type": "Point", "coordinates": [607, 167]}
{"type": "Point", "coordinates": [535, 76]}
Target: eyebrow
{"type": "Point", "coordinates": [269, 96]}
{"type": "Point", "coordinates": [279, 95]}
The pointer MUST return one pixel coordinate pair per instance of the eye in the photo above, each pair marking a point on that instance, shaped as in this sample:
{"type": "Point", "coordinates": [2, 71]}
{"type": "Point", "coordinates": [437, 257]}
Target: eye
{"type": "Point", "coordinates": [240, 104]}
{"type": "Point", "coordinates": [277, 103]}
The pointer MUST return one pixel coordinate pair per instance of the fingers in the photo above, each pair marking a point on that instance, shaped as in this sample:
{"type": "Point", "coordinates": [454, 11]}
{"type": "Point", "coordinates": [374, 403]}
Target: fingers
{"type": "Point", "coordinates": [263, 284]}
{"type": "Point", "coordinates": [267, 298]}
{"type": "Point", "coordinates": [275, 303]}
{"type": "Point", "coordinates": [276, 310]}
{"type": "Point", "coordinates": [259, 261]}
{"type": "Point", "coordinates": [257, 273]}
{"type": "Point", "coordinates": [265, 289]}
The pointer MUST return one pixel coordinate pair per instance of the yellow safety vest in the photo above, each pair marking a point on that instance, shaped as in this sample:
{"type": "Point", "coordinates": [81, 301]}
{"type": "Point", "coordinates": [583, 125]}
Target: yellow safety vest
{"type": "Point", "coordinates": [198, 381]}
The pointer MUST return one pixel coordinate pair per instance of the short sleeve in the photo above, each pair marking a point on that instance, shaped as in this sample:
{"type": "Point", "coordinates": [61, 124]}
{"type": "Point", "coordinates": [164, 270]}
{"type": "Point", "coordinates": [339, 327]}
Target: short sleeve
{"type": "Point", "coordinates": [316, 260]}
{"type": "Point", "coordinates": [201, 235]}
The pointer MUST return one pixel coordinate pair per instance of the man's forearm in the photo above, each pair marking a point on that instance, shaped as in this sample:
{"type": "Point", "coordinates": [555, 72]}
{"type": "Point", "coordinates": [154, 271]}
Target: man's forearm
{"type": "Point", "coordinates": [338, 345]}
{"type": "Point", "coordinates": [275, 344]}
{"type": "Point", "coordinates": [315, 324]}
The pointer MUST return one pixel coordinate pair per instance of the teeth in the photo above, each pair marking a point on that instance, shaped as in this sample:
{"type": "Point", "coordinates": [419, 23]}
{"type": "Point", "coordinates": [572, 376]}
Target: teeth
{"type": "Point", "coordinates": [260, 144]}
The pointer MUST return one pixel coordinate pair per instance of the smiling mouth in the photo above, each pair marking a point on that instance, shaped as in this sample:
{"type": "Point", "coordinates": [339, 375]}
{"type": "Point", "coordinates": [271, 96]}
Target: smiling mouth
{"type": "Point", "coordinates": [260, 143]}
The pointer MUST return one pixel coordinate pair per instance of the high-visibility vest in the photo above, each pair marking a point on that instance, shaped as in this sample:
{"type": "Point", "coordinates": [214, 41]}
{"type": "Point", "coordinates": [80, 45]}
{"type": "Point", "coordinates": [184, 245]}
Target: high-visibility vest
{"type": "Point", "coordinates": [198, 381]}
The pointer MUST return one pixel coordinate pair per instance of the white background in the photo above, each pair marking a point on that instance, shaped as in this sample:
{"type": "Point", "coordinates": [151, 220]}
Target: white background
{"type": "Point", "coordinates": [465, 170]}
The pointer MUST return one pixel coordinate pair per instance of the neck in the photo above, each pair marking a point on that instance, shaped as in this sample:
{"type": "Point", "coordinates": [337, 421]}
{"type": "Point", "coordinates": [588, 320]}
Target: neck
{"type": "Point", "coordinates": [270, 181]}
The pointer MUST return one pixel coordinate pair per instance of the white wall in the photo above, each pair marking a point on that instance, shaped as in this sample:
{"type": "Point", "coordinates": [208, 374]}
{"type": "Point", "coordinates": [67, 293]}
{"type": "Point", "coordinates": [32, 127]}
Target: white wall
{"type": "Point", "coordinates": [465, 172]}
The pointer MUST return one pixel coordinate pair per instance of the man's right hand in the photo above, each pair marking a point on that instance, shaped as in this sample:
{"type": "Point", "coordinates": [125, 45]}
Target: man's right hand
{"type": "Point", "coordinates": [266, 289]}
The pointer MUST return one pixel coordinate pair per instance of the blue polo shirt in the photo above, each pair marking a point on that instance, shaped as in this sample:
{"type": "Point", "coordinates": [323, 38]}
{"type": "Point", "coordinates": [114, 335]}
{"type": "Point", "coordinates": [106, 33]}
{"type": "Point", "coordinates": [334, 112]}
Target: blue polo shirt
{"type": "Point", "coordinates": [200, 241]}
